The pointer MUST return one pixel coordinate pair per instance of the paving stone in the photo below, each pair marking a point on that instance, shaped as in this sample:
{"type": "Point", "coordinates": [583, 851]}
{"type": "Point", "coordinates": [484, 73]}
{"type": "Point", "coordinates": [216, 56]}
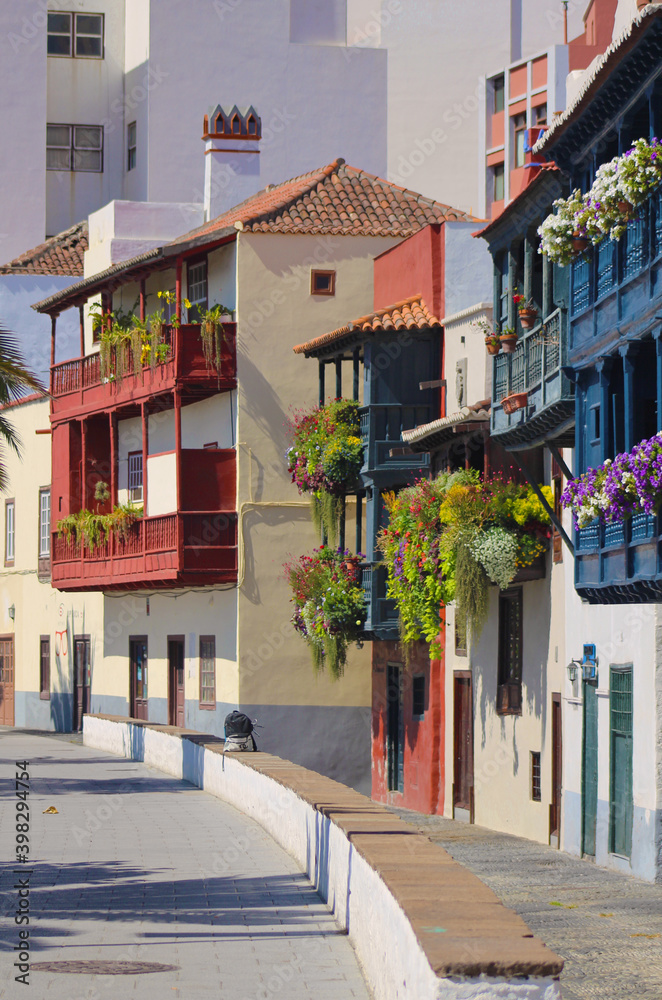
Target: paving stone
{"type": "Point", "coordinates": [144, 884]}
{"type": "Point", "coordinates": [603, 956]}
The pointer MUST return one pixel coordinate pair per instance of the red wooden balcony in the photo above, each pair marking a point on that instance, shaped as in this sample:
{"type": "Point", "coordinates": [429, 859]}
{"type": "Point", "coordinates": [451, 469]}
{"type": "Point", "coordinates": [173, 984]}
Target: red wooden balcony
{"type": "Point", "coordinates": [78, 389]}
{"type": "Point", "coordinates": [172, 550]}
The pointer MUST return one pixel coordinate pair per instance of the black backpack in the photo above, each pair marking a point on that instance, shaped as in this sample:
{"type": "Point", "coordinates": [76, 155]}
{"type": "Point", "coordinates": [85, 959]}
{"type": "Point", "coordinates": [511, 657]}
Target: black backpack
{"type": "Point", "coordinates": [239, 732]}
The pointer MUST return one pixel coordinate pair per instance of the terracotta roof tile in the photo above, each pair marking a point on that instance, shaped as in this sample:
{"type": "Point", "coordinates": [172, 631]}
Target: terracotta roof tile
{"type": "Point", "coordinates": [336, 199]}
{"type": "Point", "coordinates": [61, 254]}
{"type": "Point", "coordinates": [410, 314]}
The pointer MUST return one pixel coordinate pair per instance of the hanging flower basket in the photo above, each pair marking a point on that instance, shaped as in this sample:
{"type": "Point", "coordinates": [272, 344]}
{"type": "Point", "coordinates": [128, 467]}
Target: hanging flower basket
{"type": "Point", "coordinates": [517, 401]}
{"type": "Point", "coordinates": [527, 318]}
{"type": "Point", "coordinates": [508, 342]}
{"type": "Point", "coordinates": [626, 209]}
{"type": "Point", "coordinates": [492, 345]}
{"type": "Point", "coordinates": [579, 243]}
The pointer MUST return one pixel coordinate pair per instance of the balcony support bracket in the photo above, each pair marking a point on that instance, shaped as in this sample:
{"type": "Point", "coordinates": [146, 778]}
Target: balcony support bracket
{"type": "Point", "coordinates": [543, 500]}
{"type": "Point", "coordinates": [556, 454]}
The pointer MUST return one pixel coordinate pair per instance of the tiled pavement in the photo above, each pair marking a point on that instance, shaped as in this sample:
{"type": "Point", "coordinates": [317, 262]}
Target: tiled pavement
{"type": "Point", "coordinates": [140, 867]}
{"type": "Point", "coordinates": [607, 926]}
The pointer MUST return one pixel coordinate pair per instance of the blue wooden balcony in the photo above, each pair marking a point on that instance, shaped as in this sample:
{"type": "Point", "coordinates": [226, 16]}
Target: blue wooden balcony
{"type": "Point", "coordinates": [616, 287]}
{"type": "Point", "coordinates": [381, 429]}
{"type": "Point", "coordinates": [535, 368]}
{"type": "Point", "coordinates": [382, 617]}
{"type": "Point", "coordinates": [620, 562]}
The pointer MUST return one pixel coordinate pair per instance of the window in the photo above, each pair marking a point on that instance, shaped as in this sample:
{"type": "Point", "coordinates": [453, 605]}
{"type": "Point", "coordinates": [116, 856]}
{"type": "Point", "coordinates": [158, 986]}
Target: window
{"type": "Point", "coordinates": [9, 532]}
{"type": "Point", "coordinates": [44, 523]}
{"type": "Point", "coordinates": [75, 35]}
{"type": "Point", "coordinates": [535, 776]}
{"type": "Point", "coordinates": [460, 637]}
{"type": "Point", "coordinates": [519, 137]}
{"type": "Point", "coordinates": [197, 290]}
{"type": "Point", "coordinates": [540, 116]}
{"type": "Point", "coordinates": [594, 424]}
{"type": "Point", "coordinates": [74, 147]}
{"type": "Point", "coordinates": [322, 282]}
{"type": "Point", "coordinates": [498, 188]}
{"type": "Point", "coordinates": [509, 684]}
{"type": "Point", "coordinates": [135, 476]}
{"type": "Point", "coordinates": [44, 667]}
{"type": "Point", "coordinates": [207, 671]}
{"type": "Point", "coordinates": [499, 94]}
{"type": "Point", "coordinates": [418, 696]}
{"type": "Point", "coordinates": [131, 146]}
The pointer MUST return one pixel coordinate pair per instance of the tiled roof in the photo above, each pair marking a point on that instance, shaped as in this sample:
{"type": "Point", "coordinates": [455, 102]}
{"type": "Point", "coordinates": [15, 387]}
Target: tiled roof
{"type": "Point", "coordinates": [603, 67]}
{"type": "Point", "coordinates": [426, 436]}
{"type": "Point", "coordinates": [336, 199]}
{"type": "Point", "coordinates": [61, 254]}
{"type": "Point", "coordinates": [409, 314]}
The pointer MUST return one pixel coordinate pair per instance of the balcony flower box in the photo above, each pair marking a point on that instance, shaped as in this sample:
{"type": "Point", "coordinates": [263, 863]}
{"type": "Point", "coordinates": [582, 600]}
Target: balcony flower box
{"type": "Point", "coordinates": [517, 401]}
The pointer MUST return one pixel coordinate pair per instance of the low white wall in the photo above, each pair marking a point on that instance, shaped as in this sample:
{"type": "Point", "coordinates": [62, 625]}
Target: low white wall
{"type": "Point", "coordinates": [393, 962]}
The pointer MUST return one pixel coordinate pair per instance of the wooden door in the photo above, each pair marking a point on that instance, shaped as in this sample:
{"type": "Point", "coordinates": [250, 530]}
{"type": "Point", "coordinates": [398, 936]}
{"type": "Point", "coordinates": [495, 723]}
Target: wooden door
{"type": "Point", "coordinates": [176, 707]}
{"type": "Point", "coordinates": [589, 767]}
{"type": "Point", "coordinates": [463, 739]}
{"type": "Point", "coordinates": [138, 676]}
{"type": "Point", "coordinates": [81, 687]}
{"type": "Point", "coordinates": [395, 730]}
{"type": "Point", "coordinates": [620, 794]}
{"type": "Point", "coordinates": [7, 680]}
{"type": "Point", "coordinates": [557, 758]}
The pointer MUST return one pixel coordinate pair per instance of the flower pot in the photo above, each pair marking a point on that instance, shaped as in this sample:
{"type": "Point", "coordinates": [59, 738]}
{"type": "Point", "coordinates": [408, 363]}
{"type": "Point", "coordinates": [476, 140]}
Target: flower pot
{"type": "Point", "coordinates": [508, 343]}
{"type": "Point", "coordinates": [626, 209]}
{"type": "Point", "coordinates": [517, 401]}
{"type": "Point", "coordinates": [492, 348]}
{"type": "Point", "coordinates": [579, 243]}
{"type": "Point", "coordinates": [527, 318]}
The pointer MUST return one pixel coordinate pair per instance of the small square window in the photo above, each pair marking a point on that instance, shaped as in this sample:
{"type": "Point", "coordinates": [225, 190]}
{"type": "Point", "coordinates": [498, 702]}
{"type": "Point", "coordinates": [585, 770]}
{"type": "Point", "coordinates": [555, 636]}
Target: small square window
{"type": "Point", "coordinates": [536, 792]}
{"type": "Point", "coordinates": [540, 115]}
{"type": "Point", "coordinates": [196, 286]}
{"type": "Point", "coordinates": [322, 282]}
{"type": "Point", "coordinates": [131, 132]}
{"type": "Point", "coordinates": [74, 147]}
{"type": "Point", "coordinates": [418, 690]}
{"type": "Point", "coordinates": [89, 35]}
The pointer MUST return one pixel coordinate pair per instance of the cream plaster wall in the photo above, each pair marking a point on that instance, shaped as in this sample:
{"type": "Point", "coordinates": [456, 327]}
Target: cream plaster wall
{"type": "Point", "coordinates": [39, 609]}
{"type": "Point", "coordinates": [191, 614]}
{"type": "Point", "coordinates": [162, 484]}
{"type": "Point", "coordinates": [463, 340]}
{"type": "Point", "coordinates": [274, 520]}
{"type": "Point", "coordinates": [210, 420]}
{"type": "Point", "coordinates": [222, 277]}
{"type": "Point", "coordinates": [503, 744]}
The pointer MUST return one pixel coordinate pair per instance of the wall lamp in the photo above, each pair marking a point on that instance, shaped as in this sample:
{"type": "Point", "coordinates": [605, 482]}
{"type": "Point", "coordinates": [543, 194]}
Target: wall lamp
{"type": "Point", "coordinates": [11, 611]}
{"type": "Point", "coordinates": [572, 669]}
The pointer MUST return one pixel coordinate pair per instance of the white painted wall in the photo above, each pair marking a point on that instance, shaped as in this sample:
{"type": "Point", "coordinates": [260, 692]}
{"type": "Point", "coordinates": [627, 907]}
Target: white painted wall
{"type": "Point", "coordinates": [622, 634]}
{"type": "Point", "coordinates": [222, 277]}
{"type": "Point", "coordinates": [463, 341]}
{"type": "Point", "coordinates": [124, 229]}
{"type": "Point", "coordinates": [88, 92]}
{"type": "Point", "coordinates": [161, 484]}
{"type": "Point", "coordinates": [210, 420]}
{"type": "Point", "coordinates": [23, 117]}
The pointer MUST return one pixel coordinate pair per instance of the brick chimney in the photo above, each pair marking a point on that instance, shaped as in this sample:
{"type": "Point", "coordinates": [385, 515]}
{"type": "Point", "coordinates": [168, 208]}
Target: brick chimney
{"type": "Point", "coordinates": [232, 157]}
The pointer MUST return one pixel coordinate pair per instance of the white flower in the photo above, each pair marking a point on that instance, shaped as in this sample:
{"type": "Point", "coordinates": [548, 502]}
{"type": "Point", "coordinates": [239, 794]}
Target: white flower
{"type": "Point", "coordinates": [496, 550]}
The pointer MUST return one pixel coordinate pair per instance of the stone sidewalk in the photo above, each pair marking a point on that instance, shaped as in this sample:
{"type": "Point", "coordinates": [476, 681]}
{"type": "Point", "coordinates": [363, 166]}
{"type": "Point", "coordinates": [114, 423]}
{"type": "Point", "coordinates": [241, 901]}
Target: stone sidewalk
{"type": "Point", "coordinates": [607, 926]}
{"type": "Point", "coordinates": [139, 867]}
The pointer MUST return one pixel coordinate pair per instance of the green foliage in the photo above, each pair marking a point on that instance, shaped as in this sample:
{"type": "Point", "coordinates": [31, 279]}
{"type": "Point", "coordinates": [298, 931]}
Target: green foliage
{"type": "Point", "coordinates": [212, 335]}
{"type": "Point", "coordinates": [15, 381]}
{"type": "Point", "coordinates": [93, 529]}
{"type": "Point", "coordinates": [325, 459]}
{"type": "Point", "coordinates": [447, 538]}
{"type": "Point", "coordinates": [329, 605]}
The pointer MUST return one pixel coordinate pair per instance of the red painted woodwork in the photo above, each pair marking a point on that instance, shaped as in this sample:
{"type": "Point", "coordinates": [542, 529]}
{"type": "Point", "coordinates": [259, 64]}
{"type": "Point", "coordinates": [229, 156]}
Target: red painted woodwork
{"type": "Point", "coordinates": [78, 389]}
{"type": "Point", "coordinates": [149, 554]}
{"type": "Point", "coordinates": [208, 479]}
{"type": "Point", "coordinates": [518, 81]}
{"type": "Point", "coordinates": [414, 267]}
{"type": "Point", "coordinates": [497, 127]}
{"type": "Point", "coordinates": [539, 73]}
{"type": "Point", "coordinates": [424, 739]}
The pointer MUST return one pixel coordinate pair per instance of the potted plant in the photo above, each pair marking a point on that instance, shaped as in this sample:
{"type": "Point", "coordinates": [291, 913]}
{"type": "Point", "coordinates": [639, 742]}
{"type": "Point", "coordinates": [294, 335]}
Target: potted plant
{"type": "Point", "coordinates": [526, 309]}
{"type": "Point", "coordinates": [212, 335]}
{"type": "Point", "coordinates": [493, 344]}
{"type": "Point", "coordinates": [508, 339]}
{"type": "Point", "coordinates": [329, 605]}
{"type": "Point", "coordinates": [516, 401]}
